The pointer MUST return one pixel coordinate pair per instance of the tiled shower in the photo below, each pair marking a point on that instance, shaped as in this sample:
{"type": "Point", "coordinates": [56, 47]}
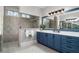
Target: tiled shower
{"type": "Point", "coordinates": [12, 23]}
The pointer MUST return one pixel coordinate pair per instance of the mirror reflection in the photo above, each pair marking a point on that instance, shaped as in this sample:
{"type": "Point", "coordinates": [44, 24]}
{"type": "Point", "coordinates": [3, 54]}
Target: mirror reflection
{"type": "Point", "coordinates": [66, 22]}
{"type": "Point", "coordinates": [70, 22]}
{"type": "Point", "coordinates": [49, 23]}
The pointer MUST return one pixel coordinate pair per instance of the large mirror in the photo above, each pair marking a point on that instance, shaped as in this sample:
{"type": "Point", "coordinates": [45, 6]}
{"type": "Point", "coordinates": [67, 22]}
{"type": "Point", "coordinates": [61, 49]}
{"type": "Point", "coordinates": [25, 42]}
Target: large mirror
{"type": "Point", "coordinates": [69, 22]}
{"type": "Point", "coordinates": [49, 22]}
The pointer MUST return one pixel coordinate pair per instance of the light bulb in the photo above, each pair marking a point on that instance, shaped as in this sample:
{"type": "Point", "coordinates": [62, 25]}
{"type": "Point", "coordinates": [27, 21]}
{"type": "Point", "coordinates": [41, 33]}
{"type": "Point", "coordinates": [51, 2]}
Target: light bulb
{"type": "Point", "coordinates": [50, 13]}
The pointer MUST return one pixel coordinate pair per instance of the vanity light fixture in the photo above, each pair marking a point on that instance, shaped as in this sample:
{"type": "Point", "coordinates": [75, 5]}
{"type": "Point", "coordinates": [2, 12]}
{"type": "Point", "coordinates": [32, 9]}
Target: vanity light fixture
{"type": "Point", "coordinates": [50, 13]}
{"type": "Point", "coordinates": [56, 11]}
{"type": "Point", "coordinates": [60, 10]}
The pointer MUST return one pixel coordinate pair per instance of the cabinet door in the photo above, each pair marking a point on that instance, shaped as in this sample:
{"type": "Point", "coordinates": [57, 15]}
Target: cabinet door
{"type": "Point", "coordinates": [45, 39]}
{"type": "Point", "coordinates": [57, 42]}
{"type": "Point", "coordinates": [42, 38]}
{"type": "Point", "coordinates": [39, 37]}
{"type": "Point", "coordinates": [51, 41]}
{"type": "Point", "coordinates": [38, 34]}
{"type": "Point", "coordinates": [70, 44]}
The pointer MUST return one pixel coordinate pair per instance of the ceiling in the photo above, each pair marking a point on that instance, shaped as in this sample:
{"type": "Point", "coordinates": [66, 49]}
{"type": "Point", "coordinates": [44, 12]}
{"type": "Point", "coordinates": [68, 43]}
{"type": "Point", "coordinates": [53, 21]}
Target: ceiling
{"type": "Point", "coordinates": [56, 7]}
{"type": "Point", "coordinates": [42, 7]}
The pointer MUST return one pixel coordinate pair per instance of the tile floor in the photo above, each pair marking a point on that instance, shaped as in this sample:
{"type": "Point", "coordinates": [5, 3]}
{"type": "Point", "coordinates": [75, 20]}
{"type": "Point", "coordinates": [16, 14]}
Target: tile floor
{"type": "Point", "coordinates": [33, 48]}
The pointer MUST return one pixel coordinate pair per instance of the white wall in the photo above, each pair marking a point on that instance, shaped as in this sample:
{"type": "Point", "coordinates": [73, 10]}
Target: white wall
{"type": "Point", "coordinates": [1, 19]}
{"type": "Point", "coordinates": [30, 10]}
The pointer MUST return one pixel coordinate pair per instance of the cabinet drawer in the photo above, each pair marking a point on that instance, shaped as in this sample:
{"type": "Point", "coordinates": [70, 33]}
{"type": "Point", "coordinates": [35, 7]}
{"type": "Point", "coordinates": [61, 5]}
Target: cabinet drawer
{"type": "Point", "coordinates": [64, 50]}
{"type": "Point", "coordinates": [71, 47]}
{"type": "Point", "coordinates": [68, 50]}
{"type": "Point", "coordinates": [69, 38]}
{"type": "Point", "coordinates": [71, 43]}
{"type": "Point", "coordinates": [66, 46]}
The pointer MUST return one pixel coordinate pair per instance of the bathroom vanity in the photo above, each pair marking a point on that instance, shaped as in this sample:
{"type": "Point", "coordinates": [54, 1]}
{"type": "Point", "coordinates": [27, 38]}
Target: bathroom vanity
{"type": "Point", "coordinates": [64, 41]}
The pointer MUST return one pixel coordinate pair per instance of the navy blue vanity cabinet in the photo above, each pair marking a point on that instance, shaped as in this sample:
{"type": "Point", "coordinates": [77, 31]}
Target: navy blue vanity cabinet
{"type": "Point", "coordinates": [70, 44]}
{"type": "Point", "coordinates": [40, 37]}
{"type": "Point", "coordinates": [45, 39]}
{"type": "Point", "coordinates": [51, 40]}
{"type": "Point", "coordinates": [62, 43]}
{"type": "Point", "coordinates": [57, 42]}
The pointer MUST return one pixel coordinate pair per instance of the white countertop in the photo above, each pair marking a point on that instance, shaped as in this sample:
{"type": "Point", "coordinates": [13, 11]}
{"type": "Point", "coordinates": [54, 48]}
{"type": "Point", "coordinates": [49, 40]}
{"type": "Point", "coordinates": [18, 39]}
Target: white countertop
{"type": "Point", "coordinates": [67, 33]}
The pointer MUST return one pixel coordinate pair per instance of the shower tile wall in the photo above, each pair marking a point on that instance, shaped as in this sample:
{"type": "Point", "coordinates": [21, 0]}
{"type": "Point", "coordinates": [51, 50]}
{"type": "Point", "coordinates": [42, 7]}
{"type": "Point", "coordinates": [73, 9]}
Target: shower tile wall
{"type": "Point", "coordinates": [12, 24]}
{"type": "Point", "coordinates": [11, 28]}
{"type": "Point", "coordinates": [28, 23]}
